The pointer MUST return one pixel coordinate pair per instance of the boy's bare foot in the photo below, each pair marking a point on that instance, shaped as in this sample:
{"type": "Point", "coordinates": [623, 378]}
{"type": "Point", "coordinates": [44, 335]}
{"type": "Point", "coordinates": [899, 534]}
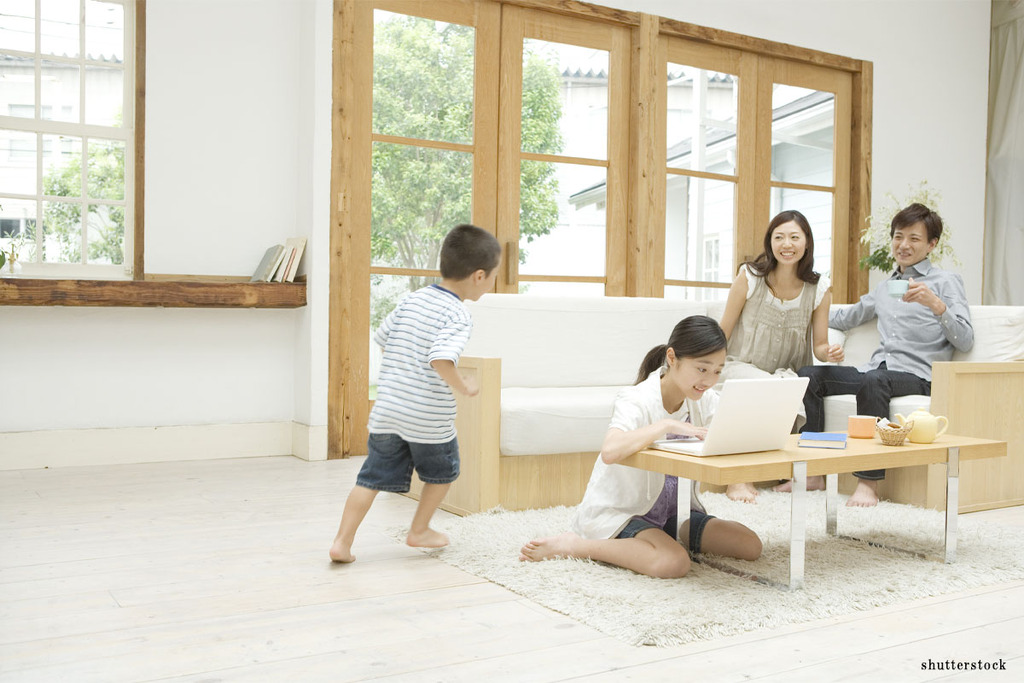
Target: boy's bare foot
{"type": "Point", "coordinates": [548, 548]}
{"type": "Point", "coordinates": [341, 552]}
{"type": "Point", "coordinates": [865, 495]}
{"type": "Point", "coordinates": [426, 539]}
{"type": "Point", "coordinates": [816, 483]}
{"type": "Point", "coordinates": [745, 493]}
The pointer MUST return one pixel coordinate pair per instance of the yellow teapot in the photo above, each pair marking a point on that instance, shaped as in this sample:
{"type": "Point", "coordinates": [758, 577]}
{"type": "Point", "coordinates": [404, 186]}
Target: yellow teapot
{"type": "Point", "coordinates": [926, 426]}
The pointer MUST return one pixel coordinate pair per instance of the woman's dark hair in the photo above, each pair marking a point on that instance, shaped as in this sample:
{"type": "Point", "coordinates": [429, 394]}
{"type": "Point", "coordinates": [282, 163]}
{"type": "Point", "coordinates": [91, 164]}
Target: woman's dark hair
{"type": "Point", "coordinates": [692, 337]}
{"type": "Point", "coordinates": [766, 262]}
{"type": "Point", "coordinates": [918, 213]}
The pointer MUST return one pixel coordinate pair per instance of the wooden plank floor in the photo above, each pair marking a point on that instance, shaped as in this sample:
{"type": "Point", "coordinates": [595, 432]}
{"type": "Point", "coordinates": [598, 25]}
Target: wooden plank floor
{"type": "Point", "coordinates": [218, 571]}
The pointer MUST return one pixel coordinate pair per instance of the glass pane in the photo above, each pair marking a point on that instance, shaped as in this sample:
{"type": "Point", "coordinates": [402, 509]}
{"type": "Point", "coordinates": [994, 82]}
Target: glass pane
{"type": "Point", "coordinates": [422, 78]}
{"type": "Point", "coordinates": [106, 169]}
{"type": "Point", "coordinates": [699, 229]}
{"type": "Point", "coordinates": [17, 228]}
{"type": "Point", "coordinates": [60, 91]}
{"type": "Point", "coordinates": [419, 194]}
{"type": "Point", "coordinates": [696, 293]}
{"type": "Point", "coordinates": [562, 288]}
{"type": "Point", "coordinates": [104, 96]}
{"type": "Point", "coordinates": [803, 122]}
{"type": "Point", "coordinates": [565, 100]}
{"type": "Point", "coordinates": [385, 293]}
{"type": "Point", "coordinates": [18, 170]}
{"type": "Point", "coordinates": [18, 75]}
{"type": "Point", "coordinates": [561, 219]}
{"type": "Point", "coordinates": [59, 30]}
{"type": "Point", "coordinates": [817, 208]}
{"type": "Point", "coordinates": [702, 108]}
{"type": "Point", "coordinates": [106, 234]}
{"type": "Point", "coordinates": [104, 31]}
{"type": "Point", "coordinates": [62, 166]}
{"type": "Point", "coordinates": [62, 232]}
{"type": "Point", "coordinates": [18, 25]}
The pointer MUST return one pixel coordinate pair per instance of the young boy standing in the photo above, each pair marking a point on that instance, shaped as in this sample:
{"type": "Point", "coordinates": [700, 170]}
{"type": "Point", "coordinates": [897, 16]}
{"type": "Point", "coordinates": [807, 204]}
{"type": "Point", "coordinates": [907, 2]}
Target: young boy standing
{"type": "Point", "coordinates": [412, 424]}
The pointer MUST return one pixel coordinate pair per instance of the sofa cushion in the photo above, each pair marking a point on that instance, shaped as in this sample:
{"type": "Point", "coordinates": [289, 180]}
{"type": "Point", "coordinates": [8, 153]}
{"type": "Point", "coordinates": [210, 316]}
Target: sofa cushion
{"type": "Point", "coordinates": [998, 334]}
{"type": "Point", "coordinates": [571, 341]}
{"type": "Point", "coordinates": [558, 420]}
{"type": "Point", "coordinates": [839, 408]}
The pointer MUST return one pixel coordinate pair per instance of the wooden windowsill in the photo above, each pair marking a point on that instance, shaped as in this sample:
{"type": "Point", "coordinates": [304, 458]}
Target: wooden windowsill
{"type": "Point", "coordinates": [168, 291]}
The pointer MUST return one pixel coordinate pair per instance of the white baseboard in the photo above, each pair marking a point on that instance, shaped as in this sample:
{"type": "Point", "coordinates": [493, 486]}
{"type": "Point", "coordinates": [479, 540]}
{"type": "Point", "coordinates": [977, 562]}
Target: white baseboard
{"type": "Point", "coordinates": [69, 447]}
{"type": "Point", "coordinates": [309, 442]}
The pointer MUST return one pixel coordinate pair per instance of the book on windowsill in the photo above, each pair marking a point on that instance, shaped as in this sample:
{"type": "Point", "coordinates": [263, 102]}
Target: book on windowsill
{"type": "Point", "coordinates": [269, 264]}
{"type": "Point", "coordinates": [822, 440]}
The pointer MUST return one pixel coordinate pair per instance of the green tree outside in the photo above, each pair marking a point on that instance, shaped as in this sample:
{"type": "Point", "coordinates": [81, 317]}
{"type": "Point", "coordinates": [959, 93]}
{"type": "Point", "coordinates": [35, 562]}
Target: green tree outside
{"type": "Point", "coordinates": [62, 221]}
{"type": "Point", "coordinates": [423, 88]}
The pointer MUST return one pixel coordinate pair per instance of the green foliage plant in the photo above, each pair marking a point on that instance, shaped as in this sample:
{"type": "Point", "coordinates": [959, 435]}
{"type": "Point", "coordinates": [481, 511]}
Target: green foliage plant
{"type": "Point", "coordinates": [878, 242]}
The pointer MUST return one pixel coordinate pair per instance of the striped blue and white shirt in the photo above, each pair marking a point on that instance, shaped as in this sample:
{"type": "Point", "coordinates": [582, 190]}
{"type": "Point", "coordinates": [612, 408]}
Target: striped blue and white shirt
{"type": "Point", "coordinates": [412, 400]}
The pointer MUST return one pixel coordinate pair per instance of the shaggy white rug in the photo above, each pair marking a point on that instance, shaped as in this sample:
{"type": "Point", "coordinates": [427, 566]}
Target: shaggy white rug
{"type": "Point", "coordinates": [841, 575]}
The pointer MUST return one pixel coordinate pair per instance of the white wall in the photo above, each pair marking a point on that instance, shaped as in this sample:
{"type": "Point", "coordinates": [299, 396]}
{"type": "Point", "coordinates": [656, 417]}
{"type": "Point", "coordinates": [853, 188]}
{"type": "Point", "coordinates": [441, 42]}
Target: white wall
{"type": "Point", "coordinates": [237, 159]}
{"type": "Point", "coordinates": [930, 88]}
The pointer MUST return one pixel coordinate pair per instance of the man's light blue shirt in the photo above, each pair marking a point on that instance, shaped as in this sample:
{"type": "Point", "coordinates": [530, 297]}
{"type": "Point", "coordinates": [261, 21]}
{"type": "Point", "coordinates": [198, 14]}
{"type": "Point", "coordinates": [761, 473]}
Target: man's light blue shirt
{"type": "Point", "coordinates": [912, 337]}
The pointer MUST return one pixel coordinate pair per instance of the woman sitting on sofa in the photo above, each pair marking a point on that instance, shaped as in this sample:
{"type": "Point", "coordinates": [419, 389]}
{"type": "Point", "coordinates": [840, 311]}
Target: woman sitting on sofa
{"type": "Point", "coordinates": [628, 515]}
{"type": "Point", "coordinates": [777, 313]}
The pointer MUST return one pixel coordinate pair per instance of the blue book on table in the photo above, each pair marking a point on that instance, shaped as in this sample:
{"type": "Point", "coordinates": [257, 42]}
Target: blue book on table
{"type": "Point", "coordinates": [823, 440]}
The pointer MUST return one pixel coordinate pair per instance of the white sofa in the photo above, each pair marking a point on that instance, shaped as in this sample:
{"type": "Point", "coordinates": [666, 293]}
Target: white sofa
{"type": "Point", "coordinates": [549, 369]}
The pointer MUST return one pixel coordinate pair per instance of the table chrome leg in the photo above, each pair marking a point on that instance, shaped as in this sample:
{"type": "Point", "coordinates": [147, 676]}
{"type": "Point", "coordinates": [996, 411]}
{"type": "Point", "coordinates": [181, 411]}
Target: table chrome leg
{"type": "Point", "coordinates": [952, 501]}
{"type": "Point", "coordinates": [797, 526]}
{"type": "Point", "coordinates": [831, 503]}
{"type": "Point", "coordinates": [684, 490]}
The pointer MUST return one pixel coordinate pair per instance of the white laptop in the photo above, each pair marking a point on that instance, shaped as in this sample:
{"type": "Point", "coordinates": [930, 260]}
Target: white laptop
{"type": "Point", "coordinates": [753, 415]}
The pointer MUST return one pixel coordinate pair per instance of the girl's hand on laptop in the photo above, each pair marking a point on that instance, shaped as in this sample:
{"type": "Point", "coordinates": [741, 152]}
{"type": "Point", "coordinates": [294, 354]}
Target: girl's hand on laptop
{"type": "Point", "coordinates": [677, 429]}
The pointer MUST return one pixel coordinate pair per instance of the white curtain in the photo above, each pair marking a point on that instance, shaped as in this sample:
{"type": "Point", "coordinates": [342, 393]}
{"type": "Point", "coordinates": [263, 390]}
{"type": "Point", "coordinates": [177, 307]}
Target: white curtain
{"type": "Point", "coordinates": [1004, 201]}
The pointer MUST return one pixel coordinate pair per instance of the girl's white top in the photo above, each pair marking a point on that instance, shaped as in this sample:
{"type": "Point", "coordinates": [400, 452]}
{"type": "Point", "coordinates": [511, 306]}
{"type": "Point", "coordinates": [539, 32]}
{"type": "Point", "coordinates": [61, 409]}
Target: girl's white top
{"type": "Point", "coordinates": [617, 493]}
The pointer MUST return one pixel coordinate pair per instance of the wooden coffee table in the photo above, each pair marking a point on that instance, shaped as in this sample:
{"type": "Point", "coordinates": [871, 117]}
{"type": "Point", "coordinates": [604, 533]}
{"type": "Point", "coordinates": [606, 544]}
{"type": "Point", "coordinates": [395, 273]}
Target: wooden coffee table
{"type": "Point", "coordinates": [793, 462]}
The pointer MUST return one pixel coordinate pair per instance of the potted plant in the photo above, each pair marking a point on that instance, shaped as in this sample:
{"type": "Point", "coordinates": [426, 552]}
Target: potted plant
{"type": "Point", "coordinates": [878, 241]}
{"type": "Point", "coordinates": [10, 254]}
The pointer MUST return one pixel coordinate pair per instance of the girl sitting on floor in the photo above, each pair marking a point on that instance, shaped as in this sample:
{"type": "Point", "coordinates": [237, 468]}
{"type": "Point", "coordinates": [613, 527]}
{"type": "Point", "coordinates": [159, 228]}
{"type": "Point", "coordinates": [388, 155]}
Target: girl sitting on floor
{"type": "Point", "coordinates": [628, 515]}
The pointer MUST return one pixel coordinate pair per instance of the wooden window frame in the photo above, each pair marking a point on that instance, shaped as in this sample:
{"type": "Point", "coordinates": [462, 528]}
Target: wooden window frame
{"type": "Point", "coordinates": [149, 290]}
{"type": "Point", "coordinates": [643, 231]}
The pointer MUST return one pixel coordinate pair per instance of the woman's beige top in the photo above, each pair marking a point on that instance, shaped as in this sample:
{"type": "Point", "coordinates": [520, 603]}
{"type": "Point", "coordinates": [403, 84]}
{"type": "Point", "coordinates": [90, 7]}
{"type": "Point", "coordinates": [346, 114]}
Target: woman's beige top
{"type": "Point", "coordinates": [772, 334]}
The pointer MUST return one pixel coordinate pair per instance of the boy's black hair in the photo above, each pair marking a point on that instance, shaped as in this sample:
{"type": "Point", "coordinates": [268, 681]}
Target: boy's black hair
{"type": "Point", "coordinates": [918, 213]}
{"type": "Point", "coordinates": [467, 249]}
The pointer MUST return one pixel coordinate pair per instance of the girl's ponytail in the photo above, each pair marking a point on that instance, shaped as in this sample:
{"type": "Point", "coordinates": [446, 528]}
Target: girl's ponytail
{"type": "Point", "coordinates": [654, 359]}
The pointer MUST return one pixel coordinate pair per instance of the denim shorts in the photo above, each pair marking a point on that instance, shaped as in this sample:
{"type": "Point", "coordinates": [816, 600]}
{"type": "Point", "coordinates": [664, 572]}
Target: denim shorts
{"type": "Point", "coordinates": [698, 520]}
{"type": "Point", "coordinates": [391, 459]}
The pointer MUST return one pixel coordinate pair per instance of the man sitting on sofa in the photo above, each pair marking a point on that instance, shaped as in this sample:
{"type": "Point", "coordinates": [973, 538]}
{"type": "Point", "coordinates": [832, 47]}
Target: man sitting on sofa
{"type": "Point", "coordinates": [917, 327]}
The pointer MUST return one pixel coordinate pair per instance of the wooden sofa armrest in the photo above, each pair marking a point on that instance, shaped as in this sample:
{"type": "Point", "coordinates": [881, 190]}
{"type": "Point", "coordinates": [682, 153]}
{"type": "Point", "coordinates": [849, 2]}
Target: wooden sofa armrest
{"type": "Point", "coordinates": [985, 400]}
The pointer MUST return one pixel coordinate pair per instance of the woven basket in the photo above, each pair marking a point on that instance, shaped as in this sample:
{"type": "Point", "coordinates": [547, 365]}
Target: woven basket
{"type": "Point", "coordinates": [894, 436]}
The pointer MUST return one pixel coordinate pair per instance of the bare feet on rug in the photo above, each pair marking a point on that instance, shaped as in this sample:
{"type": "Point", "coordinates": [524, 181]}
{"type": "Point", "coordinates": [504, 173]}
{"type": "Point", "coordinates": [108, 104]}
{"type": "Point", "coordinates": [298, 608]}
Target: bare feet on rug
{"type": "Point", "coordinates": [548, 548]}
{"type": "Point", "coordinates": [341, 551]}
{"type": "Point", "coordinates": [745, 493]}
{"type": "Point", "coordinates": [816, 483]}
{"type": "Point", "coordinates": [426, 539]}
{"type": "Point", "coordinates": [865, 495]}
